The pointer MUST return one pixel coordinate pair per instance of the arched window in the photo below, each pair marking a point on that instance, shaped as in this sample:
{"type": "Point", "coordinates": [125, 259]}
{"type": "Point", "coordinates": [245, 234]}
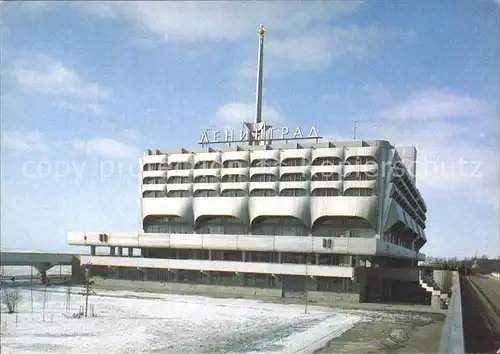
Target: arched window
{"type": "Point", "coordinates": [233, 193]}
{"type": "Point", "coordinates": [166, 224]}
{"type": "Point", "coordinates": [359, 192]}
{"type": "Point", "coordinates": [264, 177]}
{"type": "Point", "coordinates": [228, 225]}
{"type": "Point", "coordinates": [279, 226]}
{"type": "Point", "coordinates": [263, 193]}
{"type": "Point", "coordinates": [325, 192]}
{"type": "Point", "coordinates": [294, 192]}
{"type": "Point", "coordinates": [205, 193]}
{"type": "Point", "coordinates": [342, 226]}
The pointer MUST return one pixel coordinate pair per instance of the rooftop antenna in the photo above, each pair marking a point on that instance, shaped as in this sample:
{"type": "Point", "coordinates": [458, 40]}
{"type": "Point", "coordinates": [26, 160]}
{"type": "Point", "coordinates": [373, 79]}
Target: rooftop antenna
{"type": "Point", "coordinates": [355, 127]}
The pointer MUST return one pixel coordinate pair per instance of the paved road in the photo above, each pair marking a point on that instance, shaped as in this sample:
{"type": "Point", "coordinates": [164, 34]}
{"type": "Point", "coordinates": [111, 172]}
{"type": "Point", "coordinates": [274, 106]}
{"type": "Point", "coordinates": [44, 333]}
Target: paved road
{"type": "Point", "coordinates": [481, 313]}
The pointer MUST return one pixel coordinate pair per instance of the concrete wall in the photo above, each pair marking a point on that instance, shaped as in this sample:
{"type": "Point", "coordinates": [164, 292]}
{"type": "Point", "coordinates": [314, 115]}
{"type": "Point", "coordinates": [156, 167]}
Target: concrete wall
{"type": "Point", "coordinates": [452, 337]}
{"type": "Point", "coordinates": [443, 279]}
{"type": "Point", "coordinates": [217, 290]}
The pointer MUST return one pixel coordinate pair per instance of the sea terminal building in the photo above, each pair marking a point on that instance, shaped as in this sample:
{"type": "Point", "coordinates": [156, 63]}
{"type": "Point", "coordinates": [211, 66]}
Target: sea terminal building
{"type": "Point", "coordinates": [271, 212]}
{"type": "Point", "coordinates": [340, 217]}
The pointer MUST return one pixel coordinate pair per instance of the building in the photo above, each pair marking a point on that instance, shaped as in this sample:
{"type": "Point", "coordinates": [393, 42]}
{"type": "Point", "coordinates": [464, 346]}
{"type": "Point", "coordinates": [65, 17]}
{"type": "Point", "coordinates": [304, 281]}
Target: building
{"type": "Point", "coordinates": [280, 214]}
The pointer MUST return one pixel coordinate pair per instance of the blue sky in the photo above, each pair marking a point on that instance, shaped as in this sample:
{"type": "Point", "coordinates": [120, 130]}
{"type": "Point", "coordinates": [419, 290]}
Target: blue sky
{"type": "Point", "coordinates": [87, 86]}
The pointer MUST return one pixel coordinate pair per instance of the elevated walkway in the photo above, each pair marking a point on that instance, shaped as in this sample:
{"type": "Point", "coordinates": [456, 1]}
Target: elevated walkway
{"type": "Point", "coordinates": [42, 261]}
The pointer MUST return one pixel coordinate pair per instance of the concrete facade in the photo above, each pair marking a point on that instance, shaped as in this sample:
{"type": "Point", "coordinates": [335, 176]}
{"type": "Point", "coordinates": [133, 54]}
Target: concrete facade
{"type": "Point", "coordinates": [344, 215]}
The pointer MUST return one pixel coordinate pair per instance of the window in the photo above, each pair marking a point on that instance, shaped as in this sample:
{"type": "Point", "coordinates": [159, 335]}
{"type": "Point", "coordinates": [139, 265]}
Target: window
{"type": "Point", "coordinates": [359, 192]}
{"type": "Point", "coordinates": [205, 193]}
{"type": "Point", "coordinates": [265, 163]}
{"type": "Point", "coordinates": [178, 194]}
{"type": "Point", "coordinates": [293, 192]}
{"type": "Point", "coordinates": [178, 180]}
{"type": "Point", "coordinates": [264, 178]}
{"type": "Point", "coordinates": [233, 193]}
{"type": "Point", "coordinates": [235, 164]}
{"type": "Point", "coordinates": [294, 162]}
{"type": "Point", "coordinates": [153, 194]}
{"type": "Point", "coordinates": [206, 179]}
{"type": "Point", "coordinates": [234, 178]}
{"type": "Point", "coordinates": [325, 176]}
{"type": "Point", "coordinates": [325, 192]}
{"type": "Point", "coordinates": [360, 176]}
{"type": "Point", "coordinates": [293, 177]}
{"type": "Point", "coordinates": [180, 166]}
{"type": "Point", "coordinates": [326, 161]}
{"type": "Point", "coordinates": [360, 160]}
{"type": "Point", "coordinates": [263, 193]}
{"type": "Point", "coordinates": [206, 165]}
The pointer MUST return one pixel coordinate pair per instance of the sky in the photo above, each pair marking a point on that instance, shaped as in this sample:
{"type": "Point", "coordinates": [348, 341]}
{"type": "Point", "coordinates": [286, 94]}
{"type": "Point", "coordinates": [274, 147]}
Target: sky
{"type": "Point", "coordinates": [88, 86]}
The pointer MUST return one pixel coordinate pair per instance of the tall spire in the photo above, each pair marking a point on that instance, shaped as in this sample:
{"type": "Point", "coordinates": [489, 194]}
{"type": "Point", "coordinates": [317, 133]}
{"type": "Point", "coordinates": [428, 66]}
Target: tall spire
{"type": "Point", "coordinates": [260, 67]}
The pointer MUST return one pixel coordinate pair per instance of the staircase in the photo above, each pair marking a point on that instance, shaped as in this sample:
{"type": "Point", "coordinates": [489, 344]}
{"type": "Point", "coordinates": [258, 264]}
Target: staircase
{"type": "Point", "coordinates": [430, 286]}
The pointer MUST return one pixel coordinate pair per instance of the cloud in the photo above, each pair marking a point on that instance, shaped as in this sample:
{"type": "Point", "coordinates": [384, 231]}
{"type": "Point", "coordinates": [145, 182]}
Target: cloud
{"type": "Point", "coordinates": [235, 113]}
{"type": "Point", "coordinates": [131, 134]}
{"type": "Point", "coordinates": [318, 48]}
{"type": "Point", "coordinates": [106, 148]}
{"type": "Point", "coordinates": [24, 142]}
{"type": "Point", "coordinates": [48, 76]}
{"type": "Point", "coordinates": [456, 140]}
{"type": "Point", "coordinates": [193, 21]}
{"type": "Point", "coordinates": [437, 104]}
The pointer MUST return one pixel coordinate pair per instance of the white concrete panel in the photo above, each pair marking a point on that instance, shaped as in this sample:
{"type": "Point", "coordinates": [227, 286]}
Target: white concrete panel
{"type": "Point", "coordinates": [265, 171]}
{"type": "Point", "coordinates": [361, 151]}
{"type": "Point", "coordinates": [360, 184]}
{"type": "Point", "coordinates": [295, 154]}
{"type": "Point", "coordinates": [146, 159]}
{"type": "Point", "coordinates": [181, 207]}
{"type": "Point", "coordinates": [327, 184]}
{"type": "Point", "coordinates": [256, 243]}
{"type": "Point", "coordinates": [294, 243]}
{"type": "Point", "coordinates": [263, 185]}
{"type": "Point", "coordinates": [234, 185]}
{"type": "Point", "coordinates": [294, 169]}
{"type": "Point", "coordinates": [124, 239]}
{"type": "Point", "coordinates": [161, 173]}
{"type": "Point", "coordinates": [327, 152]}
{"type": "Point", "coordinates": [207, 156]}
{"type": "Point", "coordinates": [179, 187]}
{"type": "Point", "coordinates": [222, 266]}
{"type": "Point", "coordinates": [174, 158]}
{"type": "Point", "coordinates": [206, 172]}
{"type": "Point", "coordinates": [363, 207]}
{"type": "Point", "coordinates": [294, 185]}
{"type": "Point", "coordinates": [297, 207]}
{"type": "Point", "coordinates": [327, 169]}
{"type": "Point", "coordinates": [221, 206]}
{"type": "Point", "coordinates": [75, 238]}
{"type": "Point", "coordinates": [179, 173]}
{"type": "Point", "coordinates": [153, 187]}
{"type": "Point", "coordinates": [220, 242]}
{"type": "Point", "coordinates": [194, 241]}
{"type": "Point", "coordinates": [154, 240]}
{"type": "Point", "coordinates": [243, 171]}
{"type": "Point", "coordinates": [235, 155]}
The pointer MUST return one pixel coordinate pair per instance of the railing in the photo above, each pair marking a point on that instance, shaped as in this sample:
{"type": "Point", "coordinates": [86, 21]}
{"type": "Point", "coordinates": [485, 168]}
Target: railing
{"type": "Point", "coordinates": [452, 337]}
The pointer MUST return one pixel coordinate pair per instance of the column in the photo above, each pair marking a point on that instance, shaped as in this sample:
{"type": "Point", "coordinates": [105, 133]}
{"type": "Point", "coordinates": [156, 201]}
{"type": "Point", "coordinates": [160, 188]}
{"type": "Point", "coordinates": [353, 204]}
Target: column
{"type": "Point", "coordinates": [120, 251]}
{"type": "Point", "coordinates": [112, 251]}
{"type": "Point", "coordinates": [130, 252]}
{"type": "Point", "coordinates": [92, 250]}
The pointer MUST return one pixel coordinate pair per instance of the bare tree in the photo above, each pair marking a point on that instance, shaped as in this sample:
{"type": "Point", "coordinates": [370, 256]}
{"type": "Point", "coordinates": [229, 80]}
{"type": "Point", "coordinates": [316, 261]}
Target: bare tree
{"type": "Point", "coordinates": [11, 298]}
{"type": "Point", "coordinates": [45, 298]}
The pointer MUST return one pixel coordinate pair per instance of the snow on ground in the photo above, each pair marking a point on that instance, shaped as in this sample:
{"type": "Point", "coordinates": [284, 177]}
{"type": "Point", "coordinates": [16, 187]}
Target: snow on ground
{"type": "Point", "coordinates": [132, 322]}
